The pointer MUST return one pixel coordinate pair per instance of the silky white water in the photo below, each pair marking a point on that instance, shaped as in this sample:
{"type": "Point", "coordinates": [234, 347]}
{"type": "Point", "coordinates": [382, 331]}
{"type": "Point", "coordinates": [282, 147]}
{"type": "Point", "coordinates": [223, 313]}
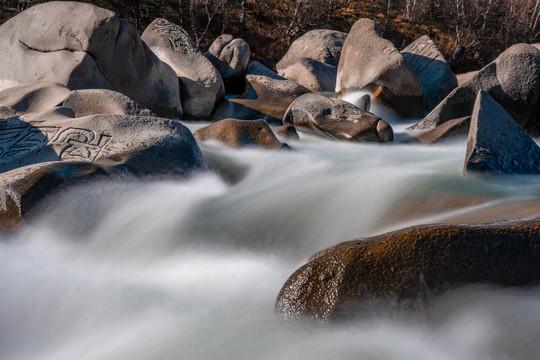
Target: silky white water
{"type": "Point", "coordinates": [190, 268]}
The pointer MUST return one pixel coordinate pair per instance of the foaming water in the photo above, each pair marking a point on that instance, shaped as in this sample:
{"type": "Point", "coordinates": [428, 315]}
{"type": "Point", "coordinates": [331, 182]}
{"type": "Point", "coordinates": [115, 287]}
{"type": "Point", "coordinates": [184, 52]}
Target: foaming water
{"type": "Point", "coordinates": [190, 269]}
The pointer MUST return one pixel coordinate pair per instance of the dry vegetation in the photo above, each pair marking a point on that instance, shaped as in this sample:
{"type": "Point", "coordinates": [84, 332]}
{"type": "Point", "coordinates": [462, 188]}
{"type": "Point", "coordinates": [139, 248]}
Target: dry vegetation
{"type": "Point", "coordinates": [469, 32]}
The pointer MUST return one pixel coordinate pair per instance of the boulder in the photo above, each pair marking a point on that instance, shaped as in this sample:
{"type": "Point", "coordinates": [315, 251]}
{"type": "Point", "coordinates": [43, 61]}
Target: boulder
{"type": "Point", "coordinates": [230, 56]}
{"type": "Point", "coordinates": [496, 143]}
{"type": "Point", "coordinates": [200, 83]}
{"type": "Point", "coordinates": [464, 77]}
{"type": "Point", "coordinates": [119, 143]}
{"type": "Point", "coordinates": [411, 264]}
{"type": "Point", "coordinates": [22, 188]}
{"type": "Point", "coordinates": [286, 131]}
{"type": "Point", "coordinates": [266, 98]}
{"type": "Point", "coordinates": [449, 131]}
{"type": "Point", "coordinates": [95, 49]}
{"type": "Point", "coordinates": [256, 68]}
{"type": "Point", "coordinates": [312, 59]}
{"type": "Point", "coordinates": [370, 62]}
{"type": "Point", "coordinates": [513, 80]}
{"type": "Point", "coordinates": [240, 133]}
{"type": "Point", "coordinates": [434, 73]}
{"type": "Point", "coordinates": [31, 98]}
{"type": "Point", "coordinates": [101, 101]}
{"type": "Point", "coordinates": [337, 119]}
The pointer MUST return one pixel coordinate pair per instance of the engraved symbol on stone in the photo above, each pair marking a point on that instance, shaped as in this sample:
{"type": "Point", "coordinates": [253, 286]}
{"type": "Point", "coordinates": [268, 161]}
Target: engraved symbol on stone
{"type": "Point", "coordinates": [19, 139]}
{"type": "Point", "coordinates": [176, 36]}
{"type": "Point", "coordinates": [80, 144]}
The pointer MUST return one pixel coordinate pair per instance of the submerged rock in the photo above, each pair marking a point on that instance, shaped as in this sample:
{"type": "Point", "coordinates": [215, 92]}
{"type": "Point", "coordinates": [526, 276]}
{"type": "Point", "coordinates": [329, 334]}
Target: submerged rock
{"type": "Point", "coordinates": [513, 80]}
{"type": "Point", "coordinates": [337, 119]}
{"type": "Point", "coordinates": [410, 264]}
{"type": "Point", "coordinates": [83, 46]}
{"type": "Point", "coordinates": [230, 56]}
{"type": "Point", "coordinates": [432, 70]}
{"type": "Point", "coordinates": [201, 85]}
{"type": "Point", "coordinates": [240, 133]}
{"type": "Point", "coordinates": [370, 62]}
{"type": "Point", "coordinates": [496, 143]}
{"type": "Point", "coordinates": [312, 59]}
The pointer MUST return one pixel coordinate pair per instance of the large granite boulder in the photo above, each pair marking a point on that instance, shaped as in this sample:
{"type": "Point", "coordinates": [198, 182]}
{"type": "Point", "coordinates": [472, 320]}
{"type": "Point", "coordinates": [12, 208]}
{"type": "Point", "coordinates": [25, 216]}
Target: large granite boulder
{"type": "Point", "coordinates": [451, 130]}
{"type": "Point", "coordinates": [22, 188]}
{"type": "Point", "coordinates": [241, 133]}
{"type": "Point", "coordinates": [496, 143]}
{"type": "Point", "coordinates": [101, 101]}
{"type": "Point", "coordinates": [411, 264]}
{"type": "Point", "coordinates": [337, 119]}
{"type": "Point", "coordinates": [83, 46]}
{"type": "Point", "coordinates": [312, 59]}
{"type": "Point", "coordinates": [119, 143]}
{"type": "Point", "coordinates": [230, 56]}
{"type": "Point", "coordinates": [513, 80]}
{"type": "Point", "coordinates": [267, 96]}
{"type": "Point", "coordinates": [370, 62]}
{"type": "Point", "coordinates": [31, 98]}
{"type": "Point", "coordinates": [434, 73]}
{"type": "Point", "coordinates": [200, 83]}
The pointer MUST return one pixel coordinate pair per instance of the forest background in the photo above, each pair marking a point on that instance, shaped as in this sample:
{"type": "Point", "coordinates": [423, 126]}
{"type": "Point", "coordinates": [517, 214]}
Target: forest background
{"type": "Point", "coordinates": [470, 33]}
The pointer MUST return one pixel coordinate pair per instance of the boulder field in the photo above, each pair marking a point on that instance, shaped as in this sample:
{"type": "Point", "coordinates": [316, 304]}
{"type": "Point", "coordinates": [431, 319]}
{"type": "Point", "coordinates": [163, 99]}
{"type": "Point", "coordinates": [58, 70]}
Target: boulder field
{"type": "Point", "coordinates": [83, 94]}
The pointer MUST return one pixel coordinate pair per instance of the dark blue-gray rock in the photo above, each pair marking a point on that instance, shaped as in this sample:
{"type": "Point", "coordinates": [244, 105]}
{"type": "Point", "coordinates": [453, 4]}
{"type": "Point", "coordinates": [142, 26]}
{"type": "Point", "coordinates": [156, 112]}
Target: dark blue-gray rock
{"type": "Point", "coordinates": [312, 59]}
{"type": "Point", "coordinates": [103, 102]}
{"type": "Point", "coordinates": [230, 56]}
{"type": "Point", "coordinates": [370, 62]}
{"type": "Point", "coordinates": [432, 70]}
{"type": "Point", "coordinates": [496, 143]}
{"type": "Point", "coordinates": [201, 85]}
{"type": "Point", "coordinates": [513, 80]}
{"type": "Point", "coordinates": [336, 119]}
{"type": "Point", "coordinates": [240, 133]}
{"type": "Point", "coordinates": [31, 98]}
{"type": "Point", "coordinates": [120, 143]}
{"type": "Point", "coordinates": [83, 46]}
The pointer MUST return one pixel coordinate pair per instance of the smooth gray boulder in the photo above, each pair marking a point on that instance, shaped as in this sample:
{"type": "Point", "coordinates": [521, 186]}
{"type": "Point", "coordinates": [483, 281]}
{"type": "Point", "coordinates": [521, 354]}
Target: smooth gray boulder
{"type": "Point", "coordinates": [101, 102]}
{"type": "Point", "coordinates": [119, 143]}
{"type": "Point", "coordinates": [31, 98]}
{"type": "Point", "coordinates": [240, 133]}
{"type": "Point", "coordinates": [95, 49]}
{"type": "Point", "coordinates": [312, 59]}
{"type": "Point", "coordinates": [230, 56]}
{"type": "Point", "coordinates": [434, 73]}
{"type": "Point", "coordinates": [512, 79]}
{"type": "Point", "coordinates": [337, 119]}
{"type": "Point", "coordinates": [370, 62]}
{"type": "Point", "coordinates": [200, 83]}
{"type": "Point", "coordinates": [496, 143]}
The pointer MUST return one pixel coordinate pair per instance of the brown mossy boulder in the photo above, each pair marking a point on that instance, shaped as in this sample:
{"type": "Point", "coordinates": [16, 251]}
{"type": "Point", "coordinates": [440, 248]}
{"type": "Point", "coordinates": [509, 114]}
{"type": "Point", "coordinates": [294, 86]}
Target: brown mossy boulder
{"type": "Point", "coordinates": [337, 119]}
{"type": "Point", "coordinates": [22, 188]}
{"type": "Point", "coordinates": [240, 133]}
{"type": "Point", "coordinates": [409, 264]}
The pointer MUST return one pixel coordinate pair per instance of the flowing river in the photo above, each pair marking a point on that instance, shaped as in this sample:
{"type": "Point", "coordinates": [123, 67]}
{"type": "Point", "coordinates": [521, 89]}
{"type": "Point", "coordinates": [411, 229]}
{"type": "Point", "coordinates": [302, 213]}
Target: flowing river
{"type": "Point", "coordinates": [190, 268]}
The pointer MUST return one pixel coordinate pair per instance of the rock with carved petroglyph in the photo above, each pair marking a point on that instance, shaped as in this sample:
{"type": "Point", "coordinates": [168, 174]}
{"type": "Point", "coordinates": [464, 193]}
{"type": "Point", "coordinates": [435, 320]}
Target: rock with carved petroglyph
{"type": "Point", "coordinates": [434, 73]}
{"type": "Point", "coordinates": [241, 133]}
{"type": "Point", "coordinates": [370, 62]}
{"type": "Point", "coordinates": [200, 83]}
{"type": "Point", "coordinates": [496, 143]}
{"type": "Point", "coordinates": [312, 59]}
{"type": "Point", "coordinates": [231, 57]}
{"type": "Point", "coordinates": [102, 102]}
{"type": "Point", "coordinates": [137, 144]}
{"type": "Point", "coordinates": [410, 264]}
{"type": "Point", "coordinates": [96, 50]}
{"type": "Point", "coordinates": [337, 119]}
{"type": "Point", "coordinates": [31, 98]}
{"type": "Point", "coordinates": [512, 79]}
{"type": "Point", "coordinates": [22, 188]}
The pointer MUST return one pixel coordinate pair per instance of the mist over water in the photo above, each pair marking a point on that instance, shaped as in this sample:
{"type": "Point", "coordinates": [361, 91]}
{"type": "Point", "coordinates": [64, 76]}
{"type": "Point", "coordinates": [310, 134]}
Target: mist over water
{"type": "Point", "coordinates": [190, 268]}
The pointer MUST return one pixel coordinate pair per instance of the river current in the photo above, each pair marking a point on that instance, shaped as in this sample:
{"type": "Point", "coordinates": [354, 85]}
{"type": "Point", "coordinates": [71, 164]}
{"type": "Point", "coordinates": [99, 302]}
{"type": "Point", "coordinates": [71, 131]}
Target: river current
{"type": "Point", "coordinates": [167, 268]}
